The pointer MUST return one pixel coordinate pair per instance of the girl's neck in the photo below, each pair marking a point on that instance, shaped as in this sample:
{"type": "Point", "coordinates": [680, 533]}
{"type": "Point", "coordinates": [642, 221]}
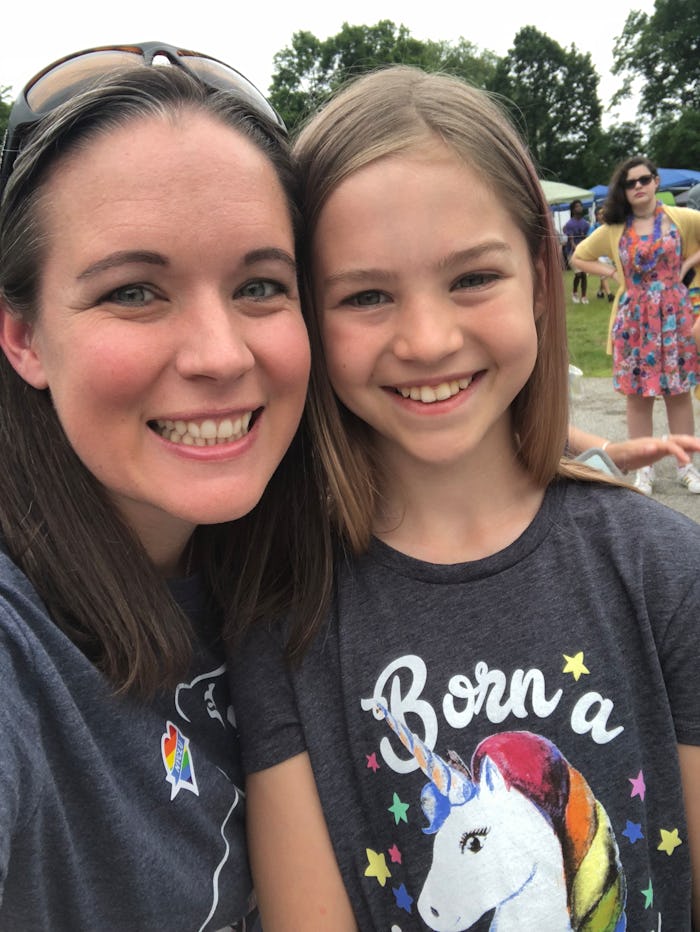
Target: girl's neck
{"type": "Point", "coordinates": [455, 516]}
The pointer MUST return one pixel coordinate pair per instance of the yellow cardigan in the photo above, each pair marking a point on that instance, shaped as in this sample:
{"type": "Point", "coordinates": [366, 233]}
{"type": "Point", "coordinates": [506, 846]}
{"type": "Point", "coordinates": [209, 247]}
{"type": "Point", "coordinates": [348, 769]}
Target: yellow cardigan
{"type": "Point", "coordinates": [605, 241]}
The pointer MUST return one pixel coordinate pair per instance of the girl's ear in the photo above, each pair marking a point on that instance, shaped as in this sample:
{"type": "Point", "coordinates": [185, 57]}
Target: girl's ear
{"type": "Point", "coordinates": [16, 340]}
{"type": "Point", "coordinates": [539, 289]}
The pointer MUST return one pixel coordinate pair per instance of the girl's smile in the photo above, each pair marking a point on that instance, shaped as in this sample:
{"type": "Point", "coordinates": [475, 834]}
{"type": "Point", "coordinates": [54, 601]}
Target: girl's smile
{"type": "Point", "coordinates": [426, 289]}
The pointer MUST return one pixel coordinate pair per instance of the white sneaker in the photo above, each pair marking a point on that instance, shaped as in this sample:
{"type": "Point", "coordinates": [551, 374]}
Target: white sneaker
{"type": "Point", "coordinates": [690, 478]}
{"type": "Point", "coordinates": [644, 480]}
{"type": "Point", "coordinates": [575, 298]}
{"type": "Point", "coordinates": [584, 300]}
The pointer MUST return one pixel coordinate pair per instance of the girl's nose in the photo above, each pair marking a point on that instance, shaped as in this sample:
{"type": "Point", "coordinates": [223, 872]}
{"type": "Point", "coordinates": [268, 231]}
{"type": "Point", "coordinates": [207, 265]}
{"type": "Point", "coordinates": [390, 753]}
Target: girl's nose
{"type": "Point", "coordinates": [427, 330]}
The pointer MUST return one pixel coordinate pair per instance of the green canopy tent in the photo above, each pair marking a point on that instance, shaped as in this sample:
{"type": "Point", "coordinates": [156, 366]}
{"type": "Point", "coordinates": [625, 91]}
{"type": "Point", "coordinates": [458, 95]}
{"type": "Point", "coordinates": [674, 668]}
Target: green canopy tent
{"type": "Point", "coordinates": [557, 192]}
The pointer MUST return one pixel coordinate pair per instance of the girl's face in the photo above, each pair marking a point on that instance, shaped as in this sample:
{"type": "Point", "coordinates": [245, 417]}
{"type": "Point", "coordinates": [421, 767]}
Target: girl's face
{"type": "Point", "coordinates": [642, 196]}
{"type": "Point", "coordinates": [169, 332]}
{"type": "Point", "coordinates": [426, 288]}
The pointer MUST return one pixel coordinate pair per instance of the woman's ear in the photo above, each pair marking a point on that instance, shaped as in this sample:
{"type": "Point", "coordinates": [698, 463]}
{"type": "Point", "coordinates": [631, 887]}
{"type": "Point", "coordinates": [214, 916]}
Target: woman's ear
{"type": "Point", "coordinates": [16, 340]}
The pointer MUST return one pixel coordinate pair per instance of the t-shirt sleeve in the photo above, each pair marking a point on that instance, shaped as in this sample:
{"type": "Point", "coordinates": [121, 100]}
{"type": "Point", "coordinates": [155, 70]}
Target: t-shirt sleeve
{"type": "Point", "coordinates": [679, 653]}
{"type": "Point", "coordinates": [264, 702]}
{"type": "Point", "coordinates": [594, 246]}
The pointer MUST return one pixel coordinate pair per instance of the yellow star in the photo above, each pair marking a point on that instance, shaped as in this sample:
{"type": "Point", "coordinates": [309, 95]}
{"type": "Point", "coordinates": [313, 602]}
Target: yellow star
{"type": "Point", "coordinates": [669, 841]}
{"type": "Point", "coordinates": [575, 665]}
{"type": "Point", "coordinates": [377, 866]}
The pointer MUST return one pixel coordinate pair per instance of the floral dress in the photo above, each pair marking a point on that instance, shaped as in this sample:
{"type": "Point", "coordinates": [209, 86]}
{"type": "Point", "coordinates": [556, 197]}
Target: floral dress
{"type": "Point", "coordinates": [653, 348]}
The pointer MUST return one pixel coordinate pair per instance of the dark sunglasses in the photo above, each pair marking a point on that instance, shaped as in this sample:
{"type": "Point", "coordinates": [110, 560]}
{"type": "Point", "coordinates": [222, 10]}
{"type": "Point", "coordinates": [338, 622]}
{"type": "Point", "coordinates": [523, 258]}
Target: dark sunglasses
{"type": "Point", "coordinates": [59, 81]}
{"type": "Point", "coordinates": [632, 183]}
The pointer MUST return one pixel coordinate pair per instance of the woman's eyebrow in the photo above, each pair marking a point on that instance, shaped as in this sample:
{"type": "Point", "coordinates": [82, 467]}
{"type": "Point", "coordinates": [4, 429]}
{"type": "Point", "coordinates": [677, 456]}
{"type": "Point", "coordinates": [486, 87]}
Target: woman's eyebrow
{"type": "Point", "coordinates": [123, 257]}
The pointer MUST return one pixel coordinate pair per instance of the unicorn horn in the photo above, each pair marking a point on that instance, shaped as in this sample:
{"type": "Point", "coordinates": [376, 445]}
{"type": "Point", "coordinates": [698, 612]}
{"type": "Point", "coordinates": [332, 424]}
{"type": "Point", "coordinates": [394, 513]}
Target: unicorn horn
{"type": "Point", "coordinates": [450, 782]}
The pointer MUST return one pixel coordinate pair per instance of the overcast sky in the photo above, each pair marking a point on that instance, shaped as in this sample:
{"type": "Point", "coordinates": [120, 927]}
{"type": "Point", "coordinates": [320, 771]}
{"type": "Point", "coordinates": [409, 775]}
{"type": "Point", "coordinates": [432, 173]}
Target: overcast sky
{"type": "Point", "coordinates": [247, 33]}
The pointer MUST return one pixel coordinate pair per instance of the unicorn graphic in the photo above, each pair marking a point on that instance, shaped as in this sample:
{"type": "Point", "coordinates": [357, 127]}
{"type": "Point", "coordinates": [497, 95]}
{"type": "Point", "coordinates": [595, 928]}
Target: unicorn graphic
{"type": "Point", "coordinates": [520, 833]}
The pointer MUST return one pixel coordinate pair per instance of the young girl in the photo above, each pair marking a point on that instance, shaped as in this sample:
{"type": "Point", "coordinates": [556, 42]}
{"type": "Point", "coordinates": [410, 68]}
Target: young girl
{"type": "Point", "coordinates": [496, 724]}
{"type": "Point", "coordinates": [653, 247]}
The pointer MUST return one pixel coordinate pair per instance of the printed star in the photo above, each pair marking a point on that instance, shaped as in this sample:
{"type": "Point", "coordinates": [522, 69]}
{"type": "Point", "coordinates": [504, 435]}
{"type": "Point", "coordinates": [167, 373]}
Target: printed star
{"type": "Point", "coordinates": [403, 900]}
{"type": "Point", "coordinates": [669, 841]}
{"type": "Point", "coordinates": [575, 665]}
{"type": "Point", "coordinates": [648, 895]}
{"type": "Point", "coordinates": [395, 854]}
{"type": "Point", "coordinates": [399, 809]}
{"type": "Point", "coordinates": [633, 831]}
{"type": "Point", "coordinates": [639, 787]}
{"type": "Point", "coordinates": [372, 763]}
{"type": "Point", "coordinates": [376, 866]}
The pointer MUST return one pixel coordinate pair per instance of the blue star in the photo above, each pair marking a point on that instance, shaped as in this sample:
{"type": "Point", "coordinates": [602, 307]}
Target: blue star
{"type": "Point", "coordinates": [403, 900]}
{"type": "Point", "coordinates": [633, 831]}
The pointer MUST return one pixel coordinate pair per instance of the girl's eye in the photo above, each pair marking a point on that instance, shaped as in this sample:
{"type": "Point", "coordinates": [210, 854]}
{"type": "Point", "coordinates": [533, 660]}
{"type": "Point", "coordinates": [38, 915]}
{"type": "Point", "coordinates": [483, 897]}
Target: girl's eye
{"type": "Point", "coordinates": [368, 299]}
{"type": "Point", "coordinates": [261, 288]}
{"type": "Point", "coordinates": [131, 296]}
{"type": "Point", "coordinates": [475, 280]}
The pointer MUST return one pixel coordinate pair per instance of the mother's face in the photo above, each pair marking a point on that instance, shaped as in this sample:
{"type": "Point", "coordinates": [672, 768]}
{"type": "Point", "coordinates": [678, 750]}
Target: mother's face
{"type": "Point", "coordinates": [169, 330]}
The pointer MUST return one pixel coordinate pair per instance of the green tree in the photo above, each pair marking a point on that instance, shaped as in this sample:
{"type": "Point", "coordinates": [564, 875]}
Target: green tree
{"type": "Point", "coordinates": [617, 143]}
{"type": "Point", "coordinates": [553, 95]}
{"type": "Point", "coordinates": [310, 69]}
{"type": "Point", "coordinates": [676, 142]}
{"type": "Point", "coordinates": [663, 51]}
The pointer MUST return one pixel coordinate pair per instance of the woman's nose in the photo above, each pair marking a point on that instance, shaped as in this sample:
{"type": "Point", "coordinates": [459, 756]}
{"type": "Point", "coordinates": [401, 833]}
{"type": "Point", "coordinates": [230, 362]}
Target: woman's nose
{"type": "Point", "coordinates": [213, 342]}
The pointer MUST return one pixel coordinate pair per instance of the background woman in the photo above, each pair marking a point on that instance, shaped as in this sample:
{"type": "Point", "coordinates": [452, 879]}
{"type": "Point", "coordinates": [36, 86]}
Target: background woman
{"type": "Point", "coordinates": [653, 246]}
{"type": "Point", "coordinates": [153, 372]}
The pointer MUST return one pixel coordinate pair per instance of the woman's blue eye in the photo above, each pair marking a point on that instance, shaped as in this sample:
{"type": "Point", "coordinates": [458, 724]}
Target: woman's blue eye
{"type": "Point", "coordinates": [261, 288]}
{"type": "Point", "coordinates": [131, 295]}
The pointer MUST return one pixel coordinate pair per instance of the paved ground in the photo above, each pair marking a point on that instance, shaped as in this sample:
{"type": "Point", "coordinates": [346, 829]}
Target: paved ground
{"type": "Point", "coordinates": [601, 410]}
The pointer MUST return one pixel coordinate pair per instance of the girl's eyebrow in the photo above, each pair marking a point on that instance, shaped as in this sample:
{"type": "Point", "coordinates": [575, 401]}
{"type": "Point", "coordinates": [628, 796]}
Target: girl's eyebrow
{"type": "Point", "coordinates": [475, 252]}
{"type": "Point", "coordinates": [348, 276]}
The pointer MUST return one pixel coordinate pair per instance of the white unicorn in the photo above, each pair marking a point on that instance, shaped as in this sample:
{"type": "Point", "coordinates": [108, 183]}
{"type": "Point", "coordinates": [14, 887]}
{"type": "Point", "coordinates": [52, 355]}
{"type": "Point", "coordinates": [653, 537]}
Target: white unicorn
{"type": "Point", "coordinates": [504, 840]}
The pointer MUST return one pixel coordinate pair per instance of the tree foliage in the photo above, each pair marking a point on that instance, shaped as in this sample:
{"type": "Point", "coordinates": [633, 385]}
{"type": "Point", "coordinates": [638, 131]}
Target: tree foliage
{"type": "Point", "coordinates": [553, 95]}
{"type": "Point", "coordinates": [310, 69]}
{"type": "Point", "coordinates": [663, 51]}
{"type": "Point", "coordinates": [676, 142]}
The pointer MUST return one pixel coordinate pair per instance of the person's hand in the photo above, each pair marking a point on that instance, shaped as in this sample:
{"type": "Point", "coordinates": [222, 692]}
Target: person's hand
{"type": "Point", "coordinates": [696, 332]}
{"type": "Point", "coordinates": [643, 451]}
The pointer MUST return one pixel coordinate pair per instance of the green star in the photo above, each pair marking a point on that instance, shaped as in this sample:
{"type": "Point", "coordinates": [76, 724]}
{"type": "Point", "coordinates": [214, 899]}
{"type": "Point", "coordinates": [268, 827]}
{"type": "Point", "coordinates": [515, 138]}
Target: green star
{"type": "Point", "coordinates": [648, 895]}
{"type": "Point", "coordinates": [399, 809]}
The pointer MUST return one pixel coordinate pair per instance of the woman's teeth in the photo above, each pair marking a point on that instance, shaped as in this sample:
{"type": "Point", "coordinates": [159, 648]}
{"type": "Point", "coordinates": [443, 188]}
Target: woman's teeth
{"type": "Point", "coordinates": [206, 433]}
{"type": "Point", "coordinates": [429, 394]}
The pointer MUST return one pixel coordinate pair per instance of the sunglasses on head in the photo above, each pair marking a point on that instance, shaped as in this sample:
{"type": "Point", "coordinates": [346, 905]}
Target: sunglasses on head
{"type": "Point", "coordinates": [632, 183]}
{"type": "Point", "coordinates": [59, 81]}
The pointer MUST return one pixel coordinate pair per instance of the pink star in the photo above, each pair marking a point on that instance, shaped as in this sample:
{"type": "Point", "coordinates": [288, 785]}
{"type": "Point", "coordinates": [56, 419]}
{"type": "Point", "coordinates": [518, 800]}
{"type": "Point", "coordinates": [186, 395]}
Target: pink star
{"type": "Point", "coordinates": [638, 786]}
{"type": "Point", "coordinates": [395, 854]}
{"type": "Point", "coordinates": [372, 762]}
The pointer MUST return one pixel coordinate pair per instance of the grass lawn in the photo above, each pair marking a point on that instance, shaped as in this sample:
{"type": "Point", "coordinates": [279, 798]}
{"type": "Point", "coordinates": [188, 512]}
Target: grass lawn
{"type": "Point", "coordinates": [587, 326]}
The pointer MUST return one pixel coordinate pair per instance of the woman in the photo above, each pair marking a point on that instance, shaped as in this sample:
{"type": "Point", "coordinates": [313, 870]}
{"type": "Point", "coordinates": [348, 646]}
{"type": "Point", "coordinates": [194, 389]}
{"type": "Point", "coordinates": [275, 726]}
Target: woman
{"type": "Point", "coordinates": [153, 373]}
{"type": "Point", "coordinates": [653, 247]}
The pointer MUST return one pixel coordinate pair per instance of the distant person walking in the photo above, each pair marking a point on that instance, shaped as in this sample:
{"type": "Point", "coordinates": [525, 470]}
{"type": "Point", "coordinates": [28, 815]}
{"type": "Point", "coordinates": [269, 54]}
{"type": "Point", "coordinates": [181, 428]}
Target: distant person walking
{"type": "Point", "coordinates": [654, 248]}
{"type": "Point", "coordinates": [576, 229]}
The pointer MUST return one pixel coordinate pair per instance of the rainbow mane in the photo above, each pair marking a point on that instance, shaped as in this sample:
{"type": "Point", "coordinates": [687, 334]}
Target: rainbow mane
{"type": "Point", "coordinates": [594, 878]}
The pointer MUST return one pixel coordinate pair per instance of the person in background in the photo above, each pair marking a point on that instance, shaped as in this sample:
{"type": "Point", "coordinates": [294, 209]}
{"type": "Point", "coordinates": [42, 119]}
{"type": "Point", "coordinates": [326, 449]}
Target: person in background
{"type": "Point", "coordinates": [498, 720]}
{"type": "Point", "coordinates": [653, 247]}
{"type": "Point", "coordinates": [576, 229]}
{"type": "Point", "coordinates": [153, 371]}
{"type": "Point", "coordinates": [603, 286]}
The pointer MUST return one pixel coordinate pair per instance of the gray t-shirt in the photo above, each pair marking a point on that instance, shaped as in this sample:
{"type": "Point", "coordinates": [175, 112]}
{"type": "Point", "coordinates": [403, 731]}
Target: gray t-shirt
{"type": "Point", "coordinates": [496, 741]}
{"type": "Point", "coordinates": [115, 815]}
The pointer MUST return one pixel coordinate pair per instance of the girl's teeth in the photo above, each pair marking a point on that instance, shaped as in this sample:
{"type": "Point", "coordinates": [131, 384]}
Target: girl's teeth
{"type": "Point", "coordinates": [429, 394]}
